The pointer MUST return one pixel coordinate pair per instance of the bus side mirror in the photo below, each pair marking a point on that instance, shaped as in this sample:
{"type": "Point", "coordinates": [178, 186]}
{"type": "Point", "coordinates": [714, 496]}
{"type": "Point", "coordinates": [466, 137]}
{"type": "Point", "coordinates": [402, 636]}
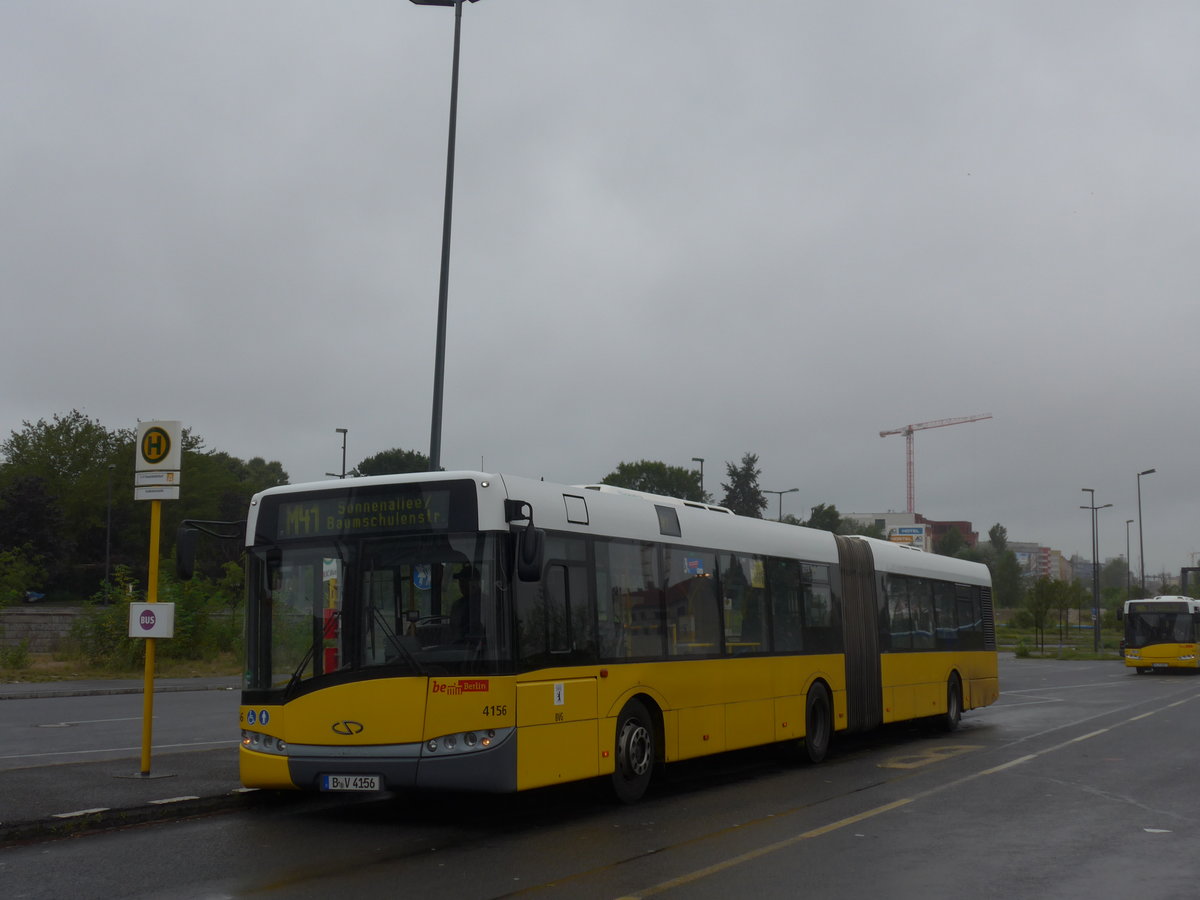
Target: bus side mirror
{"type": "Point", "coordinates": [531, 542]}
{"type": "Point", "coordinates": [1120, 614]}
{"type": "Point", "coordinates": [185, 552]}
{"type": "Point", "coordinates": [531, 547]}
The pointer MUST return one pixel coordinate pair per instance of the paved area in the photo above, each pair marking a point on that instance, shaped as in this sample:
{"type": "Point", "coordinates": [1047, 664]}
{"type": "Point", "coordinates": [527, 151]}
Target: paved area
{"type": "Point", "coordinates": [60, 799]}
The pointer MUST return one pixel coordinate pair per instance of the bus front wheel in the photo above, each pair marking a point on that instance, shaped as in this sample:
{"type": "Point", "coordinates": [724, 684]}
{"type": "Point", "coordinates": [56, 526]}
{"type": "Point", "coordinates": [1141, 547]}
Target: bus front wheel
{"type": "Point", "coordinates": [634, 752]}
{"type": "Point", "coordinates": [818, 723]}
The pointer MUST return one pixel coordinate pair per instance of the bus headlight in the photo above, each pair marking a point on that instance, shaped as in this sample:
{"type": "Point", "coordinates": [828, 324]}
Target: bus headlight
{"type": "Point", "coordinates": [465, 742]}
{"type": "Point", "coordinates": [1132, 654]}
{"type": "Point", "coordinates": [264, 743]}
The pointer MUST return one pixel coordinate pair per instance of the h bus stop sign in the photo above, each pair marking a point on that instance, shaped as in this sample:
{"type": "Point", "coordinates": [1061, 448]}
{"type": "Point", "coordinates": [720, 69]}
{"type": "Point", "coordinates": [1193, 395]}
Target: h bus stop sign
{"type": "Point", "coordinates": [159, 452]}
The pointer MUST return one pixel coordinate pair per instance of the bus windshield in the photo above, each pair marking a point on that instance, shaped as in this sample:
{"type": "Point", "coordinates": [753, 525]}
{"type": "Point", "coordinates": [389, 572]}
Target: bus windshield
{"type": "Point", "coordinates": [357, 607]}
{"type": "Point", "coordinates": [1146, 626]}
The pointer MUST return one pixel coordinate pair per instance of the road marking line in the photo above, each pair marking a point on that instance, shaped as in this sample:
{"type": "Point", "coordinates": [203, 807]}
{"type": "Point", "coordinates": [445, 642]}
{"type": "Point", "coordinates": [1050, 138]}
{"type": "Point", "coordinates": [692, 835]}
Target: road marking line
{"type": "Point", "coordinates": [81, 812]}
{"type": "Point", "coordinates": [174, 800]}
{"type": "Point", "coordinates": [763, 851]}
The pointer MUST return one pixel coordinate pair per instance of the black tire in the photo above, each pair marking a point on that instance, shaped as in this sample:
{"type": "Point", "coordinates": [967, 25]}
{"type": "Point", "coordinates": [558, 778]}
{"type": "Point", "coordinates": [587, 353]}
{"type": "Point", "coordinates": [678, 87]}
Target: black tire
{"type": "Point", "coordinates": [1143, 670]}
{"type": "Point", "coordinates": [818, 723]}
{"type": "Point", "coordinates": [953, 715]}
{"type": "Point", "coordinates": [635, 751]}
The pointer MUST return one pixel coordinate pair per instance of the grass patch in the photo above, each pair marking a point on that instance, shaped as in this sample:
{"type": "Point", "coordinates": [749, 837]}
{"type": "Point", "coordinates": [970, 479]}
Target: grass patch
{"type": "Point", "coordinates": [54, 667]}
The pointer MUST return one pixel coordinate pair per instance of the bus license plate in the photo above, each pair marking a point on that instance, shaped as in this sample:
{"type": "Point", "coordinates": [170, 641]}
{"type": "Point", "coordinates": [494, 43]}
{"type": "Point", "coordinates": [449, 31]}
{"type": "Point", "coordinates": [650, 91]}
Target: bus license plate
{"type": "Point", "coordinates": [350, 783]}
{"type": "Point", "coordinates": [1161, 666]}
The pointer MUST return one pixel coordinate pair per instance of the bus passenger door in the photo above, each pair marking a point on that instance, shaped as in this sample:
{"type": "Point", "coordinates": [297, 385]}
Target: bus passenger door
{"type": "Point", "coordinates": [556, 702]}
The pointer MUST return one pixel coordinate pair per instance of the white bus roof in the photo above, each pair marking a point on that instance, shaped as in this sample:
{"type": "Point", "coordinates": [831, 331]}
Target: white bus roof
{"type": "Point", "coordinates": [620, 512]}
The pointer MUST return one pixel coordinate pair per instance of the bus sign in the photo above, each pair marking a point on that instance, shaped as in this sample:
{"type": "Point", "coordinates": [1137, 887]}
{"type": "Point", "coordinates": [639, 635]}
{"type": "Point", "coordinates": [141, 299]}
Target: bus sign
{"type": "Point", "coordinates": [151, 620]}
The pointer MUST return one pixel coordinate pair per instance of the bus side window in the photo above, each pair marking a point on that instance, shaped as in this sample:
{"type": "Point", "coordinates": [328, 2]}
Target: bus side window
{"type": "Point", "coordinates": [920, 601]}
{"type": "Point", "coordinates": [744, 600]}
{"type": "Point", "coordinates": [970, 618]}
{"type": "Point", "coordinates": [822, 611]}
{"type": "Point", "coordinates": [630, 600]}
{"type": "Point", "coordinates": [946, 615]}
{"type": "Point", "coordinates": [693, 618]}
{"type": "Point", "coordinates": [899, 615]}
{"type": "Point", "coordinates": [784, 592]}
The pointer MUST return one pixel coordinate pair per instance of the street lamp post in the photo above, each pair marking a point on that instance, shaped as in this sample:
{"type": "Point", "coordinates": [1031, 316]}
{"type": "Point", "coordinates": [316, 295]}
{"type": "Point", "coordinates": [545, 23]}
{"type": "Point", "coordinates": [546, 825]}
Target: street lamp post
{"type": "Point", "coordinates": [342, 432]}
{"type": "Point", "coordinates": [700, 460]}
{"type": "Point", "coordinates": [439, 363]}
{"type": "Point", "coordinates": [108, 532]}
{"type": "Point", "coordinates": [781, 493]}
{"type": "Point", "coordinates": [1128, 568]}
{"type": "Point", "coordinates": [1141, 545]}
{"type": "Point", "coordinates": [1095, 569]}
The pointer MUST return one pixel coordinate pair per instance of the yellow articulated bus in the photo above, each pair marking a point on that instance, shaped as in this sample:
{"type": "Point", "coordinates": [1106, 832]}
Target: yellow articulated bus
{"type": "Point", "coordinates": [1161, 633]}
{"type": "Point", "coordinates": [420, 631]}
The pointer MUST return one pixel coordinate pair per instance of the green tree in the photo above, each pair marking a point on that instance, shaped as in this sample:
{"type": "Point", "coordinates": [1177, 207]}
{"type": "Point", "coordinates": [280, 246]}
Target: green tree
{"type": "Point", "coordinates": [1039, 601]}
{"type": "Point", "coordinates": [392, 462]}
{"type": "Point", "coordinates": [56, 480]}
{"type": "Point", "coordinates": [20, 571]}
{"type": "Point", "coordinates": [951, 543]}
{"type": "Point", "coordinates": [825, 517]}
{"type": "Point", "coordinates": [998, 537]}
{"type": "Point", "coordinates": [742, 493]}
{"type": "Point", "coordinates": [1006, 580]}
{"type": "Point", "coordinates": [1113, 574]}
{"type": "Point", "coordinates": [862, 529]}
{"type": "Point", "coordinates": [655, 477]}
{"type": "Point", "coordinates": [69, 457]}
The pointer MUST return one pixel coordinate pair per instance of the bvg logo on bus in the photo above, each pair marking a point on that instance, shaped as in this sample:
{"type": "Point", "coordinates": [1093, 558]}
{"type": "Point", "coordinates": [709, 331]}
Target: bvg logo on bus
{"type": "Point", "coordinates": [462, 686]}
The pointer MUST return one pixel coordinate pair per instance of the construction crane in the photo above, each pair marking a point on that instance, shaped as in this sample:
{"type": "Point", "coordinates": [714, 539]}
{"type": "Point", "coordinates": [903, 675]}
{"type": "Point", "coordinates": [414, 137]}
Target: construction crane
{"type": "Point", "coordinates": [908, 430]}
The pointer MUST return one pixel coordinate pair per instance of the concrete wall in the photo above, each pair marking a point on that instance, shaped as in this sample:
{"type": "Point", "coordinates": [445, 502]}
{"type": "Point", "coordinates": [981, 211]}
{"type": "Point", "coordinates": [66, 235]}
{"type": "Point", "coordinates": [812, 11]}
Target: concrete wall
{"type": "Point", "coordinates": [45, 628]}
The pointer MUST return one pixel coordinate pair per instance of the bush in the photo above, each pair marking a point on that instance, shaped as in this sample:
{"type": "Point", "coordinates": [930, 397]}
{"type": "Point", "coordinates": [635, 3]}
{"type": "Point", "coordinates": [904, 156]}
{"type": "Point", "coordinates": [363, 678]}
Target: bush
{"type": "Point", "coordinates": [102, 630]}
{"type": "Point", "coordinates": [208, 620]}
{"type": "Point", "coordinates": [1022, 619]}
{"type": "Point", "coordinates": [1022, 649]}
{"type": "Point", "coordinates": [15, 657]}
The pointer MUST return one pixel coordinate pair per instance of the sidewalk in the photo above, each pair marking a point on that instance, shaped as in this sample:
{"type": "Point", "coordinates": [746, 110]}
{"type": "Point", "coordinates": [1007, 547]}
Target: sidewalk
{"type": "Point", "coordinates": [59, 799]}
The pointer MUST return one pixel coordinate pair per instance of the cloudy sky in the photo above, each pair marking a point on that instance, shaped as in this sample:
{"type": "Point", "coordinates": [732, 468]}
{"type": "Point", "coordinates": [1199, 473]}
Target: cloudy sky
{"type": "Point", "coordinates": [682, 228]}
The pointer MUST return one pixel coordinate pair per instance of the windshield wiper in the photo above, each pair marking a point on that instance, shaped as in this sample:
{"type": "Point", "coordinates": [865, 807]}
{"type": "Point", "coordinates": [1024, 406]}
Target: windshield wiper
{"type": "Point", "coordinates": [330, 629]}
{"type": "Point", "coordinates": [396, 641]}
{"type": "Point", "coordinates": [298, 674]}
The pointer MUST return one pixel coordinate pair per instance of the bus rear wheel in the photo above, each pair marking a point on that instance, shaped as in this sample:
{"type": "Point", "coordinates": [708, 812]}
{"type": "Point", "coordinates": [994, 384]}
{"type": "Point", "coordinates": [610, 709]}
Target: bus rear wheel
{"type": "Point", "coordinates": [818, 723]}
{"type": "Point", "coordinates": [953, 716]}
{"type": "Point", "coordinates": [634, 752]}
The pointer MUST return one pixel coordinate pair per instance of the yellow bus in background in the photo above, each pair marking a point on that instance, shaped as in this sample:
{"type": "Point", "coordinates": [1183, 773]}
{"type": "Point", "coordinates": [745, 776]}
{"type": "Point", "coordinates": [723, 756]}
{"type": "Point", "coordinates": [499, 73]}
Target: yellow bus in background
{"type": "Point", "coordinates": [1161, 633]}
{"type": "Point", "coordinates": [472, 631]}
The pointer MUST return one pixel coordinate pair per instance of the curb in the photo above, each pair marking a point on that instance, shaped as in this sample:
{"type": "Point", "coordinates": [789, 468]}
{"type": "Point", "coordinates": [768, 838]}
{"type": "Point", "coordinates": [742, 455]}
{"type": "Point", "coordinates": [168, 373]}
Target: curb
{"type": "Point", "coordinates": [107, 819]}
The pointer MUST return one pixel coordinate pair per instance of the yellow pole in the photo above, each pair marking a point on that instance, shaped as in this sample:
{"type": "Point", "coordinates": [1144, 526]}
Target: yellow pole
{"type": "Point", "coordinates": [151, 597]}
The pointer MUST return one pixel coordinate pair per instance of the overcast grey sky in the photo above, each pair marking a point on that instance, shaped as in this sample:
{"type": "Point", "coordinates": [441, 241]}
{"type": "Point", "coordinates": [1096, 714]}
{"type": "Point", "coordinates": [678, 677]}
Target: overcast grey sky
{"type": "Point", "coordinates": [682, 228]}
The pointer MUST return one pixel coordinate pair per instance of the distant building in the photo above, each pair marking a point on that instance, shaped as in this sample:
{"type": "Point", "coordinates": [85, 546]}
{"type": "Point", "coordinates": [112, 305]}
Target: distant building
{"type": "Point", "coordinates": [1037, 561]}
{"type": "Point", "coordinates": [914, 529]}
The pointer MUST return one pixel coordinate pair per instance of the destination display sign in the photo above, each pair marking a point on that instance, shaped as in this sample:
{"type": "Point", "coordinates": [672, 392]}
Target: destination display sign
{"type": "Point", "coordinates": [1161, 606]}
{"type": "Point", "coordinates": [353, 513]}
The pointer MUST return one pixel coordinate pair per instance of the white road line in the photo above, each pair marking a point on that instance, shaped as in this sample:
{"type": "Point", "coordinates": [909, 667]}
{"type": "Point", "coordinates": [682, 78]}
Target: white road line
{"type": "Point", "coordinates": [81, 812]}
